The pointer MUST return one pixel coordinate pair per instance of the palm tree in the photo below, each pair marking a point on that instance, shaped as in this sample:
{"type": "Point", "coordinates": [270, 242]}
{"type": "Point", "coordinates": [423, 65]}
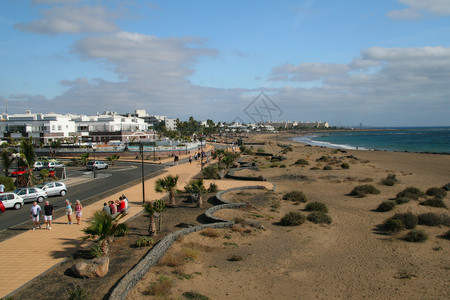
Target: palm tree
{"type": "Point", "coordinates": [159, 206]}
{"type": "Point", "coordinates": [28, 156]}
{"type": "Point", "coordinates": [167, 184]}
{"type": "Point", "coordinates": [113, 158]}
{"type": "Point", "coordinates": [102, 227]}
{"type": "Point", "coordinates": [196, 187]}
{"type": "Point", "coordinates": [6, 161]}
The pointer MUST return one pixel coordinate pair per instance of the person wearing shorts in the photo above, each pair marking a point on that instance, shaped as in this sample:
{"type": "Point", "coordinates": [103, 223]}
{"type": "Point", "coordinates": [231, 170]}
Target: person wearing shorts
{"type": "Point", "coordinates": [48, 213]}
{"type": "Point", "coordinates": [68, 207]}
{"type": "Point", "coordinates": [78, 213]}
{"type": "Point", "coordinates": [35, 213]}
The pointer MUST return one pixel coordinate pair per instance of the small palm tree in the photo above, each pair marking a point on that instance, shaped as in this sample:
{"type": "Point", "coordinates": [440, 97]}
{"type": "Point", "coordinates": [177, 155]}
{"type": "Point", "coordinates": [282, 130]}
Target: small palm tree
{"type": "Point", "coordinates": [113, 158]}
{"type": "Point", "coordinates": [159, 206]}
{"type": "Point", "coordinates": [196, 187]}
{"type": "Point", "coordinates": [167, 184]}
{"type": "Point", "coordinates": [102, 227]}
{"type": "Point", "coordinates": [28, 156]}
{"type": "Point", "coordinates": [6, 161]}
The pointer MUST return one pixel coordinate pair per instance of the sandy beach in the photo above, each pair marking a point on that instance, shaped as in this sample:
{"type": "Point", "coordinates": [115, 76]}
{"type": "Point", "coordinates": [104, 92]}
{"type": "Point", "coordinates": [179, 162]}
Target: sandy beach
{"type": "Point", "coordinates": [351, 258]}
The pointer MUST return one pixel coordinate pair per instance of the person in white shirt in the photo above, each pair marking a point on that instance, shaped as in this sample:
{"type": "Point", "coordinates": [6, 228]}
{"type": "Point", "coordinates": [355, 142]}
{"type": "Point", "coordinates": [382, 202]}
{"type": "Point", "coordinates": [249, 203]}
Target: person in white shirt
{"type": "Point", "coordinates": [35, 213]}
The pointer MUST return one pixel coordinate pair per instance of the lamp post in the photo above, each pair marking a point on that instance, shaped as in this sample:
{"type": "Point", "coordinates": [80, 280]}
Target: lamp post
{"type": "Point", "coordinates": [95, 168]}
{"type": "Point", "coordinates": [201, 154]}
{"type": "Point", "coordinates": [141, 152]}
{"type": "Point", "coordinates": [16, 156]}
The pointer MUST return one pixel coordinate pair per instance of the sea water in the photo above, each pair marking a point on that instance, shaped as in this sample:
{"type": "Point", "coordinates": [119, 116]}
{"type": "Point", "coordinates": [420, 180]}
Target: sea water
{"type": "Point", "coordinates": [433, 140]}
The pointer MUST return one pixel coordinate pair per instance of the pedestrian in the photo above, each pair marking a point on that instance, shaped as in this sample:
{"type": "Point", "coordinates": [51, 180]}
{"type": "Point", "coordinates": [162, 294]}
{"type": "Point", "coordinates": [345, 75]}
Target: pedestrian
{"type": "Point", "coordinates": [48, 213]}
{"type": "Point", "coordinates": [35, 213]}
{"type": "Point", "coordinates": [190, 159]}
{"type": "Point", "coordinates": [106, 209]}
{"type": "Point", "coordinates": [127, 203]}
{"type": "Point", "coordinates": [68, 208]}
{"type": "Point", "coordinates": [113, 209]}
{"type": "Point", "coordinates": [2, 187]}
{"type": "Point", "coordinates": [78, 211]}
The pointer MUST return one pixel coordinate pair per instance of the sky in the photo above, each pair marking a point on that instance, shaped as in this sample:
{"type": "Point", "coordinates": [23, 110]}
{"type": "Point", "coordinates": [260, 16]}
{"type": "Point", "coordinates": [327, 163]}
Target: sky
{"type": "Point", "coordinates": [348, 62]}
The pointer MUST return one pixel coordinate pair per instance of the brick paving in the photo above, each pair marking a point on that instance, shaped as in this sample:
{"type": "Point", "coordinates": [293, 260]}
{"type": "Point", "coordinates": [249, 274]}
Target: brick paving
{"type": "Point", "coordinates": [33, 252]}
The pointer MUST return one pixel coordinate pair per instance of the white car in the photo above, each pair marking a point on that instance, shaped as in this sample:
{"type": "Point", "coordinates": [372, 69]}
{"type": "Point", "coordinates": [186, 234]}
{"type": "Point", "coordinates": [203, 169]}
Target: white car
{"type": "Point", "coordinates": [96, 164]}
{"type": "Point", "coordinates": [11, 200]}
{"type": "Point", "coordinates": [39, 165]}
{"type": "Point", "coordinates": [54, 164]}
{"type": "Point", "coordinates": [31, 194]}
{"type": "Point", "coordinates": [54, 188]}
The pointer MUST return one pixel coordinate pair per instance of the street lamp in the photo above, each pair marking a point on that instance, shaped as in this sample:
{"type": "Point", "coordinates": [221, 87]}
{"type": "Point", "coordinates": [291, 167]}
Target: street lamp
{"type": "Point", "coordinates": [141, 152]}
{"type": "Point", "coordinates": [16, 156]}
{"type": "Point", "coordinates": [201, 154]}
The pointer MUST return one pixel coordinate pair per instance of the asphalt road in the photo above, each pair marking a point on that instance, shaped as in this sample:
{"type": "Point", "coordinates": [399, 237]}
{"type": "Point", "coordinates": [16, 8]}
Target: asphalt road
{"type": "Point", "coordinates": [88, 191]}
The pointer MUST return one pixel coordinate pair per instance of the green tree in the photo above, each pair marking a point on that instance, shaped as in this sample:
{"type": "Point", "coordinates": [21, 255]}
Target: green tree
{"type": "Point", "coordinates": [167, 184]}
{"type": "Point", "coordinates": [159, 206]}
{"type": "Point", "coordinates": [229, 158]}
{"type": "Point", "coordinates": [196, 187]}
{"type": "Point", "coordinates": [113, 158]}
{"type": "Point", "coordinates": [84, 158]}
{"type": "Point", "coordinates": [6, 161]}
{"type": "Point", "coordinates": [28, 156]}
{"type": "Point", "coordinates": [102, 228]}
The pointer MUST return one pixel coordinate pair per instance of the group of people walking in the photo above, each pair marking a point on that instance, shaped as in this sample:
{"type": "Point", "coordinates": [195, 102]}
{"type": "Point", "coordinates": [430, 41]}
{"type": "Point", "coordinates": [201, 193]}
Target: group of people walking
{"type": "Point", "coordinates": [36, 211]}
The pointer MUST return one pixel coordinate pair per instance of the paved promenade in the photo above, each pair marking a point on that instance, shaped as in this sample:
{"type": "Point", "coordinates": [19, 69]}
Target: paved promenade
{"type": "Point", "coordinates": [31, 253]}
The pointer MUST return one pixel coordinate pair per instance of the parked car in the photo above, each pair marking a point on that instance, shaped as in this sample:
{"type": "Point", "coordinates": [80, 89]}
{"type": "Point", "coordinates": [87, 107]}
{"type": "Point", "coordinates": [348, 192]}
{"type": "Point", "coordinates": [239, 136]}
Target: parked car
{"type": "Point", "coordinates": [31, 194]}
{"type": "Point", "coordinates": [2, 207]}
{"type": "Point", "coordinates": [39, 165]}
{"type": "Point", "coordinates": [11, 200]}
{"type": "Point", "coordinates": [96, 164]}
{"type": "Point", "coordinates": [53, 164]}
{"type": "Point", "coordinates": [19, 172]}
{"type": "Point", "coordinates": [54, 188]}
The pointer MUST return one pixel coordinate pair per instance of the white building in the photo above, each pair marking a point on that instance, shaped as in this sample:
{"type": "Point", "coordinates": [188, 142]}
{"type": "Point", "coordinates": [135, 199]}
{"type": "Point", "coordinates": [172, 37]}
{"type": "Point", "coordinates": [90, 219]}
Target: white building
{"type": "Point", "coordinates": [171, 124]}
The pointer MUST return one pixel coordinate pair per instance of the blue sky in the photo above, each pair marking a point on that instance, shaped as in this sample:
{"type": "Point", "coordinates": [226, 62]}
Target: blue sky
{"type": "Point", "coordinates": [380, 63]}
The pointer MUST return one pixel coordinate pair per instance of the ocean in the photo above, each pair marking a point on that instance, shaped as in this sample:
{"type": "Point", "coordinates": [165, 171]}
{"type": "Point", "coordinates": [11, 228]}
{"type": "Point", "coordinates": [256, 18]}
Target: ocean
{"type": "Point", "coordinates": [429, 139]}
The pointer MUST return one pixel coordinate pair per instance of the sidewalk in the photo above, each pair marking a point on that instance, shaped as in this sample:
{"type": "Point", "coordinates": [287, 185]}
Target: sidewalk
{"type": "Point", "coordinates": [31, 253]}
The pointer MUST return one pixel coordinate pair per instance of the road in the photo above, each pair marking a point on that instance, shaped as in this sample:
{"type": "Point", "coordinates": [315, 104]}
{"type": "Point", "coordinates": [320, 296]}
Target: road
{"type": "Point", "coordinates": [111, 178]}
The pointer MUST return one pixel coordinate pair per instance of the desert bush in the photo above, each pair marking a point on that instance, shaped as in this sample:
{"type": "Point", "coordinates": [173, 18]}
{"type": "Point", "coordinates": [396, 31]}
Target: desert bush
{"type": "Point", "coordinates": [323, 158]}
{"type": "Point", "coordinates": [436, 192]}
{"type": "Point", "coordinates": [282, 166]}
{"type": "Point", "coordinates": [211, 172]}
{"type": "Point", "coordinates": [411, 192]}
{"type": "Point", "coordinates": [295, 196]}
{"type": "Point", "coordinates": [416, 236]}
{"type": "Point", "coordinates": [189, 253]}
{"type": "Point", "coordinates": [302, 162]}
{"type": "Point", "coordinates": [386, 206]}
{"type": "Point", "coordinates": [435, 202]}
{"type": "Point", "coordinates": [172, 260]}
{"type": "Point", "coordinates": [77, 294]}
{"type": "Point", "coordinates": [327, 168]}
{"type": "Point", "coordinates": [213, 188]}
{"type": "Point", "coordinates": [143, 241]}
{"type": "Point", "coordinates": [316, 206]}
{"type": "Point", "coordinates": [210, 232]}
{"type": "Point", "coordinates": [390, 180]}
{"type": "Point", "coordinates": [345, 166]}
{"type": "Point", "coordinates": [194, 296]}
{"type": "Point", "coordinates": [260, 150]}
{"type": "Point", "coordinates": [433, 219]}
{"type": "Point", "coordinates": [235, 257]}
{"type": "Point", "coordinates": [275, 204]}
{"type": "Point", "coordinates": [402, 200]}
{"type": "Point", "coordinates": [393, 225]}
{"type": "Point", "coordinates": [447, 235]}
{"type": "Point", "coordinates": [319, 218]}
{"type": "Point", "coordinates": [161, 287]}
{"type": "Point", "coordinates": [292, 219]}
{"type": "Point", "coordinates": [408, 219]}
{"type": "Point", "coordinates": [315, 168]}
{"type": "Point", "coordinates": [363, 190]}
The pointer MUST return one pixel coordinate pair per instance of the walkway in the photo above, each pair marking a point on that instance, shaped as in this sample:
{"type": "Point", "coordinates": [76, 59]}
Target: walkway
{"type": "Point", "coordinates": [31, 253]}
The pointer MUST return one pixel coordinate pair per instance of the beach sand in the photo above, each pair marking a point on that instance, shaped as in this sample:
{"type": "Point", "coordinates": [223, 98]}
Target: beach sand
{"type": "Point", "coordinates": [352, 258]}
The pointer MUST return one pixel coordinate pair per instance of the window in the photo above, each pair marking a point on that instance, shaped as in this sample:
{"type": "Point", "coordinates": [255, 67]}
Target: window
{"type": "Point", "coordinates": [2, 197]}
{"type": "Point", "coordinates": [11, 197]}
{"type": "Point", "coordinates": [32, 191]}
{"type": "Point", "coordinates": [59, 127]}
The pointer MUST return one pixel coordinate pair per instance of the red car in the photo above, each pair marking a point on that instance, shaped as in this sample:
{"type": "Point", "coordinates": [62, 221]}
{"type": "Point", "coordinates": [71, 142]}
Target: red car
{"type": "Point", "coordinates": [19, 172]}
{"type": "Point", "coordinates": [2, 207]}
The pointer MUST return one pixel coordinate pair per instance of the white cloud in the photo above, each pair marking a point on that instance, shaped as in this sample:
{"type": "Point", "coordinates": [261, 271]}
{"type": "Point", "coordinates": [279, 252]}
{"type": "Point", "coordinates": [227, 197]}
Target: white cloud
{"type": "Point", "coordinates": [417, 8]}
{"type": "Point", "coordinates": [72, 19]}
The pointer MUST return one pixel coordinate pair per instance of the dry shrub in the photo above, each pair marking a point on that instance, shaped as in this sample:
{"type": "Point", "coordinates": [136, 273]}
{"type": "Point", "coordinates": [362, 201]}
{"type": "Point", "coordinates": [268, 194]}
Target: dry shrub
{"type": "Point", "coordinates": [199, 247]}
{"type": "Point", "coordinates": [237, 228]}
{"type": "Point", "coordinates": [161, 287]}
{"type": "Point", "coordinates": [239, 220]}
{"type": "Point", "coordinates": [210, 232]}
{"type": "Point", "coordinates": [235, 258]}
{"type": "Point", "coordinates": [189, 253]}
{"type": "Point", "coordinates": [172, 260]}
{"type": "Point", "coordinates": [367, 179]}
